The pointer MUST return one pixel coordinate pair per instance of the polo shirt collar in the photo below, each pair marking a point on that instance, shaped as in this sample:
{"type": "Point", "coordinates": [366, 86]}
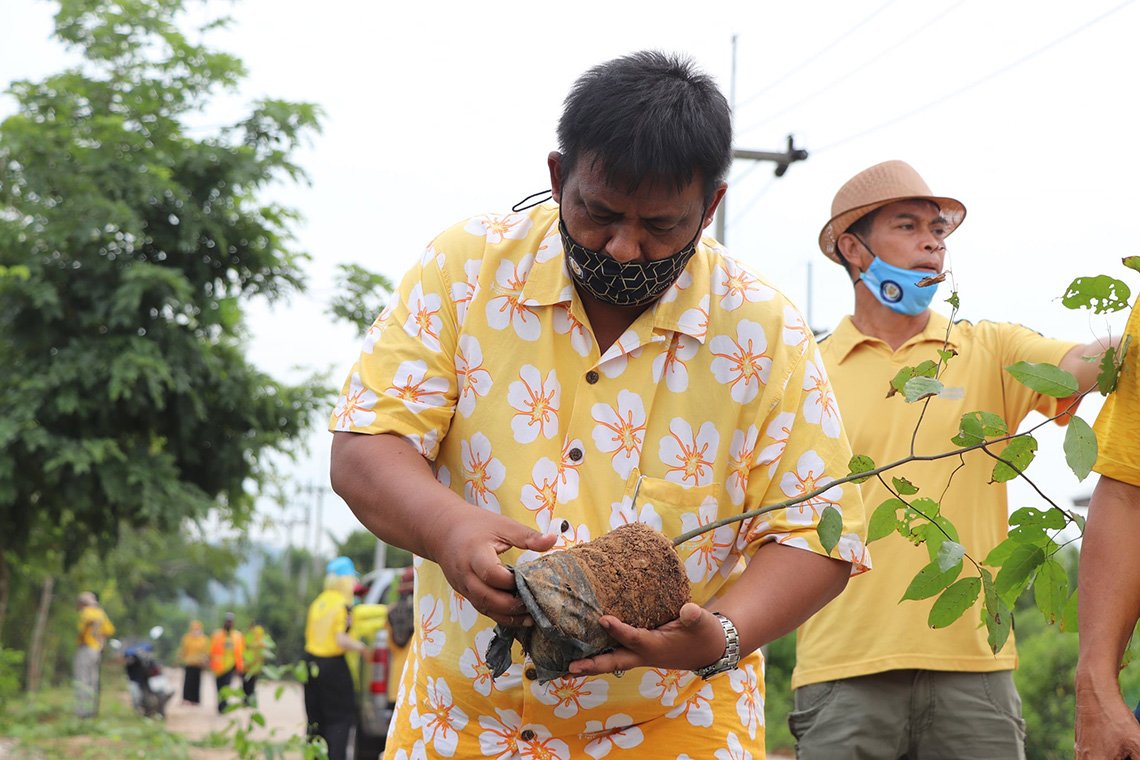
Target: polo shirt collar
{"type": "Point", "coordinates": [847, 337]}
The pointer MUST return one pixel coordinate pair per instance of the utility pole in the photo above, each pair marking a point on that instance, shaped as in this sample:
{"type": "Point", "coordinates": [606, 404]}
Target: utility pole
{"type": "Point", "coordinates": [782, 159]}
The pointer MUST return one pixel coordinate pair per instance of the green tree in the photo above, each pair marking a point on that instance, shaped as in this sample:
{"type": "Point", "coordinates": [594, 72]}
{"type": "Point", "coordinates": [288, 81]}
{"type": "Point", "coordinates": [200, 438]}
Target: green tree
{"type": "Point", "coordinates": [125, 397]}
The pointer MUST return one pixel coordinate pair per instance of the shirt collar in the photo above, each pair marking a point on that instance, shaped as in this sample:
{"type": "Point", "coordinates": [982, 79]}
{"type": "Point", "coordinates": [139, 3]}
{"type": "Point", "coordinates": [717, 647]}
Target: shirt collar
{"type": "Point", "coordinates": [681, 309]}
{"type": "Point", "coordinates": [846, 336]}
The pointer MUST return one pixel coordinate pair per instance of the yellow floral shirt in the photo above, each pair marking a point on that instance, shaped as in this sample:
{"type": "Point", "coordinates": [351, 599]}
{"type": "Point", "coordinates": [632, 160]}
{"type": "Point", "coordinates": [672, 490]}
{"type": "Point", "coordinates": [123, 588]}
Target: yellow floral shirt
{"type": "Point", "coordinates": [714, 402]}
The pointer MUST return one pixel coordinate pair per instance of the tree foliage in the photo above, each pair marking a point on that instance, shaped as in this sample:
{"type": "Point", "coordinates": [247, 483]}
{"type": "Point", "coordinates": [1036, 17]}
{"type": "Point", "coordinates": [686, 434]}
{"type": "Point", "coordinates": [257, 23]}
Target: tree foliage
{"type": "Point", "coordinates": [125, 397]}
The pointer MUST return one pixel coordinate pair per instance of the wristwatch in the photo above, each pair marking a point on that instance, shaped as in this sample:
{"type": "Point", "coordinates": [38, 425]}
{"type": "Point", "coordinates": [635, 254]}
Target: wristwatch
{"type": "Point", "coordinates": [731, 657]}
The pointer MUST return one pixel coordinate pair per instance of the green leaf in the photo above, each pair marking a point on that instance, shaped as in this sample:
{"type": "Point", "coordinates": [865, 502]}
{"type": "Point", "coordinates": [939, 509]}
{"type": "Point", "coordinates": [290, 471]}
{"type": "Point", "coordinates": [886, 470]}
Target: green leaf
{"type": "Point", "coordinates": [976, 427]}
{"type": "Point", "coordinates": [860, 463]}
{"type": "Point", "coordinates": [953, 300]}
{"type": "Point", "coordinates": [946, 354]}
{"type": "Point", "coordinates": [885, 519]}
{"type": "Point", "coordinates": [277, 693]}
{"type": "Point", "coordinates": [918, 388]}
{"type": "Point", "coordinates": [1080, 447]}
{"type": "Point", "coordinates": [924, 368]}
{"type": "Point", "coordinates": [1132, 262]}
{"type": "Point", "coordinates": [904, 486]}
{"type": "Point", "coordinates": [257, 718]}
{"type": "Point", "coordinates": [954, 602]}
{"type": "Point", "coordinates": [830, 527]}
{"type": "Point", "coordinates": [949, 554]}
{"type": "Point", "coordinates": [1102, 294]}
{"type": "Point", "coordinates": [1069, 618]}
{"type": "Point", "coordinates": [1016, 571]}
{"type": "Point", "coordinates": [995, 613]}
{"type": "Point", "coordinates": [1051, 589]}
{"type": "Point", "coordinates": [1029, 517]}
{"type": "Point", "coordinates": [1111, 362]}
{"type": "Point", "coordinates": [1044, 378]}
{"type": "Point", "coordinates": [929, 581]}
{"type": "Point", "coordinates": [1019, 454]}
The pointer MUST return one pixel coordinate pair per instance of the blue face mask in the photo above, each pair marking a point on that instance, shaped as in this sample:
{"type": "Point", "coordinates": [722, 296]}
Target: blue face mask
{"type": "Point", "coordinates": [898, 288]}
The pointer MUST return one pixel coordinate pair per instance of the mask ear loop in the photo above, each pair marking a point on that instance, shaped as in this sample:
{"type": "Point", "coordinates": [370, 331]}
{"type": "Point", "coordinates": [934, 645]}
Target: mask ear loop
{"type": "Point", "coordinates": [863, 242]}
{"type": "Point", "coordinates": [542, 195]}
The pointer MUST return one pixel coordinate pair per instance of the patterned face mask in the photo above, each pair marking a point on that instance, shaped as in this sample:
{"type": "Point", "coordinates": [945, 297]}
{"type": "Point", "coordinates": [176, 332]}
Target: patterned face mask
{"type": "Point", "coordinates": [632, 283]}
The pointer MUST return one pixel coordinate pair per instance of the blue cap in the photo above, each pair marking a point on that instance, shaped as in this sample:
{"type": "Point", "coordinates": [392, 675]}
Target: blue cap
{"type": "Point", "coordinates": [341, 566]}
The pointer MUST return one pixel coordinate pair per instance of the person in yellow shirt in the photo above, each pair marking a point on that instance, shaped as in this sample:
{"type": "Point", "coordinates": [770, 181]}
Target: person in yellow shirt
{"type": "Point", "coordinates": [330, 698]}
{"type": "Point", "coordinates": [194, 654]}
{"type": "Point", "coordinates": [94, 627]}
{"type": "Point", "coordinates": [1109, 574]}
{"type": "Point", "coordinates": [227, 656]}
{"type": "Point", "coordinates": [872, 679]}
{"type": "Point", "coordinates": [594, 360]}
{"type": "Point", "coordinates": [255, 647]}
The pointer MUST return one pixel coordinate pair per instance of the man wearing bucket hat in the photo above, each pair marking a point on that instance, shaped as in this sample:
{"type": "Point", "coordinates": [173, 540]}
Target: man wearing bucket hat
{"type": "Point", "coordinates": [545, 376]}
{"type": "Point", "coordinates": [330, 697]}
{"type": "Point", "coordinates": [872, 679]}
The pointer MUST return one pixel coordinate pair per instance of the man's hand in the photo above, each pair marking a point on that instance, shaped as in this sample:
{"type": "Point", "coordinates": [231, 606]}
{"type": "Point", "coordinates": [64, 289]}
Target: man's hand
{"type": "Point", "coordinates": [467, 548]}
{"type": "Point", "coordinates": [695, 639]}
{"type": "Point", "coordinates": [1106, 729]}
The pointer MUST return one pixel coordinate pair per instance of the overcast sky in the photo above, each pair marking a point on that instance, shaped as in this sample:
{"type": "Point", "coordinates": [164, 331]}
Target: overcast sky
{"type": "Point", "coordinates": [1025, 111]}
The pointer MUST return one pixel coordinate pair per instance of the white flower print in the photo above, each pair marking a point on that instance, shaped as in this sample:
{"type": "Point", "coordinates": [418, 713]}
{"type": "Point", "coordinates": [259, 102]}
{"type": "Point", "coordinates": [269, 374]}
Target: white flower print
{"type": "Point", "coordinates": [734, 751]}
{"type": "Point", "coordinates": [474, 666]}
{"type": "Point", "coordinates": [568, 472]}
{"type": "Point", "coordinates": [697, 709]}
{"type": "Point", "coordinates": [541, 745]}
{"type": "Point", "coordinates": [735, 285]}
{"type": "Point", "coordinates": [431, 635]}
{"type": "Point", "coordinates": [622, 513]}
{"type": "Point", "coordinates": [808, 476]}
{"type": "Point", "coordinates": [442, 718]}
{"type": "Point", "coordinates": [462, 611]}
{"type": "Point", "coordinates": [695, 322]}
{"type": "Point", "coordinates": [354, 407]}
{"type": "Point", "coordinates": [742, 363]}
{"type": "Point", "coordinates": [706, 552]}
{"type": "Point", "coordinates": [740, 452]}
{"type": "Point", "coordinates": [619, 732]}
{"type": "Point", "coordinates": [852, 549]}
{"type": "Point", "coordinates": [820, 406]}
{"type": "Point", "coordinates": [620, 431]}
{"type": "Point", "coordinates": [415, 388]}
{"type": "Point", "coordinates": [424, 320]}
{"type": "Point", "coordinates": [551, 246]}
{"type": "Point", "coordinates": [535, 403]}
{"type": "Point", "coordinates": [779, 430]}
{"type": "Point", "coordinates": [427, 444]}
{"type": "Point", "coordinates": [664, 685]}
{"type": "Point", "coordinates": [472, 379]}
{"type": "Point", "coordinates": [683, 283]}
{"type": "Point", "coordinates": [750, 706]}
{"type": "Point", "coordinates": [500, 736]}
{"type": "Point", "coordinates": [672, 362]}
{"type": "Point", "coordinates": [377, 328]}
{"type": "Point", "coordinates": [506, 310]}
{"type": "Point", "coordinates": [617, 356]}
{"type": "Point", "coordinates": [689, 458]}
{"type": "Point", "coordinates": [570, 695]}
{"type": "Point", "coordinates": [541, 494]}
{"type": "Point", "coordinates": [463, 293]}
{"type": "Point", "coordinates": [482, 473]}
{"type": "Point", "coordinates": [416, 753]}
{"type": "Point", "coordinates": [564, 322]}
{"type": "Point", "coordinates": [496, 227]}
{"type": "Point", "coordinates": [796, 330]}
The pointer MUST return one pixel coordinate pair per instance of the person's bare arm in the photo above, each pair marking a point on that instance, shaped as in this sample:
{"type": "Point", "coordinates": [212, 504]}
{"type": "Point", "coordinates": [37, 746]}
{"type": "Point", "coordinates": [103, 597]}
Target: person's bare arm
{"type": "Point", "coordinates": [781, 587]}
{"type": "Point", "coordinates": [392, 491]}
{"type": "Point", "coordinates": [1109, 605]}
{"type": "Point", "coordinates": [1076, 361]}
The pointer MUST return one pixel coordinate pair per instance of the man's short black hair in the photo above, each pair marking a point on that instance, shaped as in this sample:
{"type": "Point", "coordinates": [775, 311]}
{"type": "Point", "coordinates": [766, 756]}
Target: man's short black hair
{"type": "Point", "coordinates": [648, 116]}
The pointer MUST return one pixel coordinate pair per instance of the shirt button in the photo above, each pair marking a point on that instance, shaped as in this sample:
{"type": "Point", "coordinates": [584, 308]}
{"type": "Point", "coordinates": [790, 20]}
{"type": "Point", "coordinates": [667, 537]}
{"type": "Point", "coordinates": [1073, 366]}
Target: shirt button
{"type": "Point", "coordinates": [592, 377]}
{"type": "Point", "coordinates": [531, 674]}
{"type": "Point", "coordinates": [527, 735]}
{"type": "Point", "coordinates": [575, 454]}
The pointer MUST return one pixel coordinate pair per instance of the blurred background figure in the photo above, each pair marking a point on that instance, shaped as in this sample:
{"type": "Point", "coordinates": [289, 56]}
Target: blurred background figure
{"type": "Point", "coordinates": [94, 628]}
{"type": "Point", "coordinates": [254, 660]}
{"type": "Point", "coordinates": [194, 654]}
{"type": "Point", "coordinates": [401, 626]}
{"type": "Point", "coordinates": [330, 698]}
{"type": "Point", "coordinates": [227, 656]}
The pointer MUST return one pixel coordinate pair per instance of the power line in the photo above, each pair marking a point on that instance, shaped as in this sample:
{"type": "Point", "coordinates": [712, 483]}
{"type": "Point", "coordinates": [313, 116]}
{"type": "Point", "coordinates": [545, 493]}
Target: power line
{"type": "Point", "coordinates": [967, 87]}
{"type": "Point", "coordinates": [906, 38]}
{"type": "Point", "coordinates": [814, 57]}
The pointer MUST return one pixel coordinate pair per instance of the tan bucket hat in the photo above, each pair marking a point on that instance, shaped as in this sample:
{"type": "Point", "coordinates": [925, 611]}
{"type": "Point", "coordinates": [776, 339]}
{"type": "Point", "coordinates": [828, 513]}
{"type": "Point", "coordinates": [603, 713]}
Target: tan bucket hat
{"type": "Point", "coordinates": [874, 188]}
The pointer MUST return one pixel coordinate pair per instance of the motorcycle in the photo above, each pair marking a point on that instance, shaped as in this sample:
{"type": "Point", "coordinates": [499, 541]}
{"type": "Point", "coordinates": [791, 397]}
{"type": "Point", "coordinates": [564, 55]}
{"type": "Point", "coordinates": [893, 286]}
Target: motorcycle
{"type": "Point", "coordinates": [149, 687]}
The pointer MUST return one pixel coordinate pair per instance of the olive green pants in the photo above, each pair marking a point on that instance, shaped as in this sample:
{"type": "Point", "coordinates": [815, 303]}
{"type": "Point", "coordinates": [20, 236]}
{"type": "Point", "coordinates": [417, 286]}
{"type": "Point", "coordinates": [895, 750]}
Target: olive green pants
{"type": "Point", "coordinates": [910, 715]}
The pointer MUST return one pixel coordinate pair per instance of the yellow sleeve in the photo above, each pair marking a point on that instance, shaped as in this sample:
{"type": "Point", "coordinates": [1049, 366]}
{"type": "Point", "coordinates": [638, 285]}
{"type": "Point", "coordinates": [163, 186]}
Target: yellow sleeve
{"type": "Point", "coordinates": [1118, 425]}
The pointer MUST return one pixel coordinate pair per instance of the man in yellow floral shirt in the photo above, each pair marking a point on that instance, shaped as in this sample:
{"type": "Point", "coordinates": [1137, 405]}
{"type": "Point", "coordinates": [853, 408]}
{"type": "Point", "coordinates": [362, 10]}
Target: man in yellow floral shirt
{"type": "Point", "coordinates": [545, 376]}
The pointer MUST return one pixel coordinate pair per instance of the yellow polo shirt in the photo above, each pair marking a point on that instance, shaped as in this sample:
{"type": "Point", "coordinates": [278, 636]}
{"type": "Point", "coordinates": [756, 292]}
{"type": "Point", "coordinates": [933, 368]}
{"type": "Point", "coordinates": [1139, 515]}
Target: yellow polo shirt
{"type": "Point", "coordinates": [866, 629]}
{"type": "Point", "coordinates": [94, 627]}
{"type": "Point", "coordinates": [328, 616]}
{"type": "Point", "coordinates": [1118, 425]}
{"type": "Point", "coordinates": [714, 401]}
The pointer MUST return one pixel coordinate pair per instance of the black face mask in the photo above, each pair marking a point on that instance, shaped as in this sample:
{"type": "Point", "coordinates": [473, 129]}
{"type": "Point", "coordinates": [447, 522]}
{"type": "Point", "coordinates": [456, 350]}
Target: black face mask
{"type": "Point", "coordinates": [631, 283]}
